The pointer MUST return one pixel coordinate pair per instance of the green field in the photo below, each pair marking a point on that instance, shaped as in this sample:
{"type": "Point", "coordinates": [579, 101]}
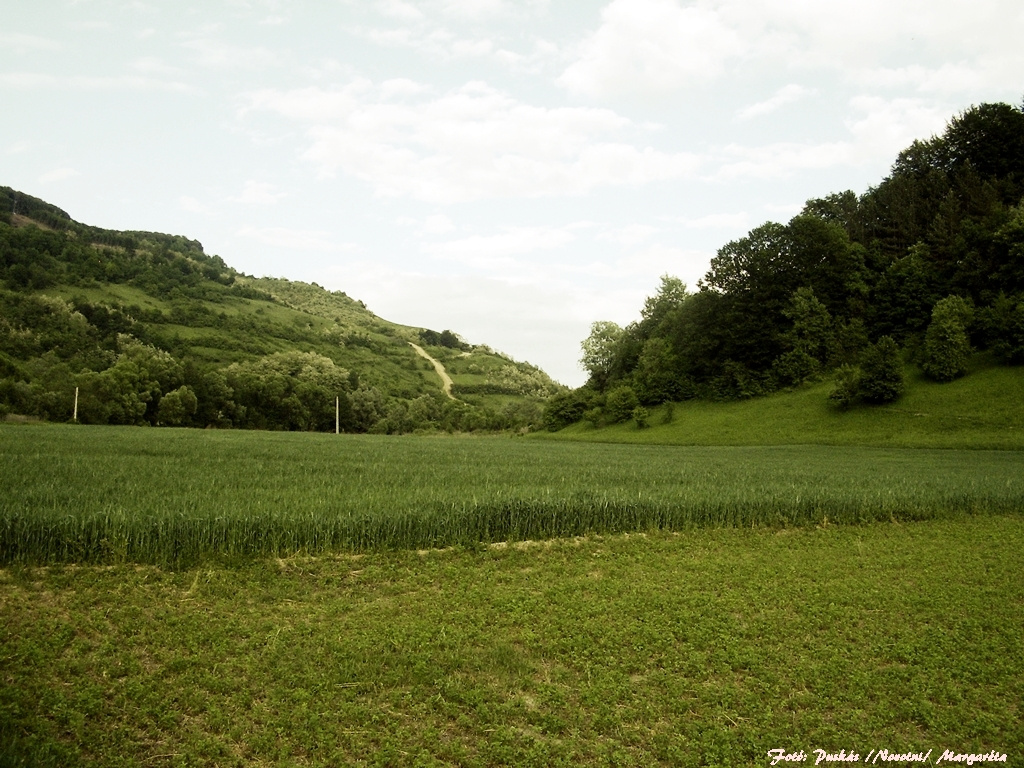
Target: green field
{"type": "Point", "coordinates": [176, 497]}
{"type": "Point", "coordinates": [705, 648]}
{"type": "Point", "coordinates": [197, 597]}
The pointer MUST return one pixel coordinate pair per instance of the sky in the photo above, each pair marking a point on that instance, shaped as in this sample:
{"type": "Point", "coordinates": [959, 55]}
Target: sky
{"type": "Point", "coordinates": [511, 171]}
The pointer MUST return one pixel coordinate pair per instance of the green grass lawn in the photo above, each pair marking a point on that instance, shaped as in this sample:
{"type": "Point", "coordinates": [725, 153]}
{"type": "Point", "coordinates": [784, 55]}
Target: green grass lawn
{"type": "Point", "coordinates": [703, 648]}
{"type": "Point", "coordinates": [982, 410]}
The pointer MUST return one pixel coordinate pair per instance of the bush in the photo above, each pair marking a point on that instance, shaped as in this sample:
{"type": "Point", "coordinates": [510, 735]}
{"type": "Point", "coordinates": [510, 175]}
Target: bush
{"type": "Point", "coordinates": [1003, 323]}
{"type": "Point", "coordinates": [177, 407]}
{"type": "Point", "coordinates": [563, 409]}
{"type": "Point", "coordinates": [641, 416]}
{"type": "Point", "coordinates": [620, 404]}
{"type": "Point", "coordinates": [947, 346]}
{"type": "Point", "coordinates": [847, 389]}
{"type": "Point", "coordinates": [794, 367]}
{"type": "Point", "coordinates": [878, 380]}
{"type": "Point", "coordinates": [881, 379]}
{"type": "Point", "coordinates": [669, 414]}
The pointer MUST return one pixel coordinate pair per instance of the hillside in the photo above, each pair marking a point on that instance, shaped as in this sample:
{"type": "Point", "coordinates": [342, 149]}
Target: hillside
{"type": "Point", "coordinates": [926, 269]}
{"type": "Point", "coordinates": [153, 330]}
{"type": "Point", "coordinates": [981, 410]}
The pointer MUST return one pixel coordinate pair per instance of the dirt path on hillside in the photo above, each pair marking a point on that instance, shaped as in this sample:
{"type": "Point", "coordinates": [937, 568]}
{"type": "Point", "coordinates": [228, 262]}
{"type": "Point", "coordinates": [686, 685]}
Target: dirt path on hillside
{"type": "Point", "coordinates": [446, 380]}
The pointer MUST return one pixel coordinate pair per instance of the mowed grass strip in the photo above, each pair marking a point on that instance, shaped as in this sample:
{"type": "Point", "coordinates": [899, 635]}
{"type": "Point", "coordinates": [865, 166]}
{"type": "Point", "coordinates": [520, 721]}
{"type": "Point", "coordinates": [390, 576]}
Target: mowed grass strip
{"type": "Point", "coordinates": [175, 497]}
{"type": "Point", "coordinates": [702, 648]}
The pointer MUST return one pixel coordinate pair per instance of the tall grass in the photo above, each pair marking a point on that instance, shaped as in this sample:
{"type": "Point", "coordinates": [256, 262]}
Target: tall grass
{"type": "Point", "coordinates": [175, 497]}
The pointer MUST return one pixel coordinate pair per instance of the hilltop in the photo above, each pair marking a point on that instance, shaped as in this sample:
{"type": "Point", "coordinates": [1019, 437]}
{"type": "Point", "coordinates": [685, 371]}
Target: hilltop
{"type": "Point", "coordinates": [153, 330]}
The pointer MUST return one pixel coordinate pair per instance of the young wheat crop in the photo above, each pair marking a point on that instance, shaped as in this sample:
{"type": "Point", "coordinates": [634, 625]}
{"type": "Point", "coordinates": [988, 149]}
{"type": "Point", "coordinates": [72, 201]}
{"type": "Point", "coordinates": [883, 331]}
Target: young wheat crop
{"type": "Point", "coordinates": [107, 494]}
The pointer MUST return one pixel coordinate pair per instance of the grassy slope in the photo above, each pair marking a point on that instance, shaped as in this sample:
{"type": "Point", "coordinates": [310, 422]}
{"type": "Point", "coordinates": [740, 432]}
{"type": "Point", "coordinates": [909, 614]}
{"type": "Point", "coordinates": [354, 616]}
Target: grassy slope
{"type": "Point", "coordinates": [697, 649]}
{"type": "Point", "coordinates": [304, 317]}
{"type": "Point", "coordinates": [982, 410]}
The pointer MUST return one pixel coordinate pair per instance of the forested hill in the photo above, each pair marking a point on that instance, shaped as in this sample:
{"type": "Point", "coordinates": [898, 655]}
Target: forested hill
{"type": "Point", "coordinates": [924, 269]}
{"type": "Point", "coordinates": [151, 329]}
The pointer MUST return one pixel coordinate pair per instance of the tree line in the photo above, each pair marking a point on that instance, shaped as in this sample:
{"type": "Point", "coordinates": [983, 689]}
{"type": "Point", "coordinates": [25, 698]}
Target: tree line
{"type": "Point", "coordinates": [927, 266]}
{"type": "Point", "coordinates": [51, 347]}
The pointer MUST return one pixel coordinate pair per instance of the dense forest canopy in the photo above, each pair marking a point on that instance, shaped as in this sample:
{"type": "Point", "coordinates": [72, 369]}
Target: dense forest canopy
{"type": "Point", "coordinates": [926, 266]}
{"type": "Point", "coordinates": [149, 329]}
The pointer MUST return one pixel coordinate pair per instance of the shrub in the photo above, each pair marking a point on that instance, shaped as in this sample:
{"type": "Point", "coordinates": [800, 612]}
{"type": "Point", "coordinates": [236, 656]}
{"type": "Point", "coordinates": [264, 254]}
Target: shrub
{"type": "Point", "coordinates": [878, 380]}
{"type": "Point", "coordinates": [563, 409]}
{"type": "Point", "coordinates": [177, 407]}
{"type": "Point", "coordinates": [641, 416]}
{"type": "Point", "coordinates": [947, 346]}
{"type": "Point", "coordinates": [1003, 323]}
{"type": "Point", "coordinates": [847, 388]}
{"type": "Point", "coordinates": [620, 404]}
{"type": "Point", "coordinates": [881, 379]}
{"type": "Point", "coordinates": [669, 414]}
{"type": "Point", "coordinates": [794, 367]}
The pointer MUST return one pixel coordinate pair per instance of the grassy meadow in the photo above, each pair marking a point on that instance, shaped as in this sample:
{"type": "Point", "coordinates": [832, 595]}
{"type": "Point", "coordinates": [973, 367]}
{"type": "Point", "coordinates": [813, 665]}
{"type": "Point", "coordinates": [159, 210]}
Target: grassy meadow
{"type": "Point", "coordinates": [701, 648]}
{"type": "Point", "coordinates": [984, 409]}
{"type": "Point", "coordinates": [206, 598]}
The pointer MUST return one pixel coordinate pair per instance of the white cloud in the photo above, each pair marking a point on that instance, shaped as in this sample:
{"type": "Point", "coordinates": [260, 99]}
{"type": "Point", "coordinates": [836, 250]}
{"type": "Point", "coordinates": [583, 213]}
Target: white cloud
{"type": "Point", "coordinates": [58, 174]}
{"type": "Point", "coordinates": [36, 81]}
{"type": "Point", "coordinates": [257, 193]}
{"type": "Point", "coordinates": [434, 41]}
{"type": "Point", "coordinates": [152, 65]}
{"type": "Point", "coordinates": [471, 9]}
{"type": "Point", "coordinates": [782, 159]}
{"type": "Point", "coordinates": [653, 46]}
{"type": "Point", "coordinates": [948, 79]}
{"type": "Point", "coordinates": [877, 130]}
{"type": "Point", "coordinates": [450, 30]}
{"type": "Point", "coordinates": [218, 54]}
{"type": "Point", "coordinates": [399, 10]}
{"type": "Point", "coordinates": [192, 205]}
{"type": "Point", "coordinates": [659, 46]}
{"type": "Point", "coordinates": [630, 235]}
{"type": "Point", "coordinates": [296, 239]}
{"type": "Point", "coordinates": [543, 54]}
{"type": "Point", "coordinates": [496, 251]}
{"type": "Point", "coordinates": [717, 221]}
{"type": "Point", "coordinates": [438, 224]}
{"type": "Point", "coordinates": [471, 143]}
{"type": "Point", "coordinates": [26, 81]}
{"type": "Point", "coordinates": [21, 43]}
{"type": "Point", "coordinates": [887, 126]}
{"type": "Point", "coordinates": [788, 94]}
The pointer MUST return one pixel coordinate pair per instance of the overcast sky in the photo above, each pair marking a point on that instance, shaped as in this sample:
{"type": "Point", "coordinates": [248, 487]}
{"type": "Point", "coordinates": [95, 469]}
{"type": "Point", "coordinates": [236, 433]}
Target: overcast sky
{"type": "Point", "coordinates": [512, 171]}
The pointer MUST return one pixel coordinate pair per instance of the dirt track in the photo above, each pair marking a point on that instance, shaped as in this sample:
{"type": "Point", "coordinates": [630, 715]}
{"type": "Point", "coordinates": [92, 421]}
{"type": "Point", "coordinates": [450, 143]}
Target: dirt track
{"type": "Point", "coordinates": [446, 380]}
